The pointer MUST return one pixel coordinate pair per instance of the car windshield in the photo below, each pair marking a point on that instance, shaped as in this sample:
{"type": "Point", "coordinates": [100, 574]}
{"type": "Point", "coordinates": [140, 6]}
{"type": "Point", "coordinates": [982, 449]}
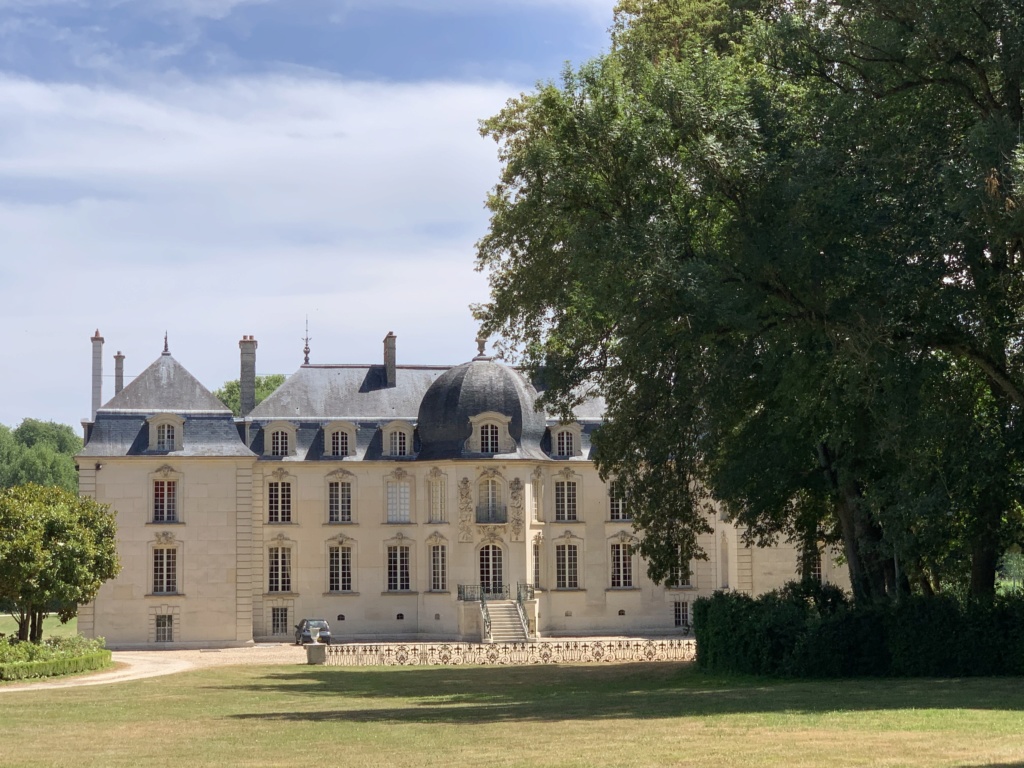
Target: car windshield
{"type": "Point", "coordinates": [318, 624]}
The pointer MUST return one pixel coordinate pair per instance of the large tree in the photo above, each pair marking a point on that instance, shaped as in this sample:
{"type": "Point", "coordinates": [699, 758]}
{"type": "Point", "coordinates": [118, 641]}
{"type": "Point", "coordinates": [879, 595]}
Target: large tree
{"type": "Point", "coordinates": [41, 452]}
{"type": "Point", "coordinates": [56, 550]}
{"type": "Point", "coordinates": [231, 395]}
{"type": "Point", "coordinates": [768, 234]}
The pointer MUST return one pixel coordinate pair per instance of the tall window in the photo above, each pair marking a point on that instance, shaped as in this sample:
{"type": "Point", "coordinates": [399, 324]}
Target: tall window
{"type": "Point", "coordinates": [438, 500]}
{"type": "Point", "coordinates": [279, 570]}
{"type": "Point", "coordinates": [165, 437]}
{"type": "Point", "coordinates": [279, 621]}
{"type": "Point", "coordinates": [622, 566]}
{"type": "Point", "coordinates": [398, 569]}
{"type": "Point", "coordinates": [814, 566]}
{"type": "Point", "coordinates": [398, 501]}
{"type": "Point", "coordinates": [488, 439]}
{"type": "Point", "coordinates": [339, 443]}
{"type": "Point", "coordinates": [397, 443]}
{"type": "Point", "coordinates": [565, 500]}
{"type": "Point", "coordinates": [682, 614]}
{"type": "Point", "coordinates": [165, 501]}
{"type": "Point", "coordinates": [438, 568]}
{"type": "Point", "coordinates": [536, 565]}
{"type": "Point", "coordinates": [564, 443]}
{"type": "Point", "coordinates": [339, 502]}
{"type": "Point", "coordinates": [279, 443]}
{"type": "Point", "coordinates": [339, 569]}
{"type": "Point", "coordinates": [165, 571]}
{"type": "Point", "coordinates": [617, 509]}
{"type": "Point", "coordinates": [279, 502]}
{"type": "Point", "coordinates": [490, 496]}
{"type": "Point", "coordinates": [164, 629]}
{"type": "Point", "coordinates": [566, 564]}
{"type": "Point", "coordinates": [679, 576]}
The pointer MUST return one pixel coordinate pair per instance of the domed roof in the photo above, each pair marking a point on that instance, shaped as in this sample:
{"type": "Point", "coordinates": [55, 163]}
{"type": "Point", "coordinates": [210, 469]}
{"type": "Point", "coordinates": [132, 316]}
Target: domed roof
{"type": "Point", "coordinates": [468, 390]}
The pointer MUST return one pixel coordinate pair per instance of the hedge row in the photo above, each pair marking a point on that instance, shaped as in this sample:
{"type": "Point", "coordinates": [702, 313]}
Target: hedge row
{"type": "Point", "coordinates": [69, 665]}
{"type": "Point", "coordinates": [805, 630]}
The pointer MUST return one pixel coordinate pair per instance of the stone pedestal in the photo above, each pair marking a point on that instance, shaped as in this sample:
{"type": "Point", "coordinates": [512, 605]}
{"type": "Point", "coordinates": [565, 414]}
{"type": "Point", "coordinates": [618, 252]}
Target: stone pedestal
{"type": "Point", "coordinates": [316, 653]}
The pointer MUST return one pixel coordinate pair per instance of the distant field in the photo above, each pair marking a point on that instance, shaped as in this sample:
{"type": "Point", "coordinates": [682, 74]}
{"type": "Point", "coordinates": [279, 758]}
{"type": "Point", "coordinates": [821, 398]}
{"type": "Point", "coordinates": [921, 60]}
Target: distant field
{"type": "Point", "coordinates": [581, 716]}
{"type": "Point", "coordinates": [51, 626]}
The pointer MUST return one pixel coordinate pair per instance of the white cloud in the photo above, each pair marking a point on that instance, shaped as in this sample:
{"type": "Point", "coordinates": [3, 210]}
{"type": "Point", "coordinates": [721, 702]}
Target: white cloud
{"type": "Point", "coordinates": [213, 209]}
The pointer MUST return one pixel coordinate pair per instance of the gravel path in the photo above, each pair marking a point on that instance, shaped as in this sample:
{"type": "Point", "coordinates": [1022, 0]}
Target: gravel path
{"type": "Point", "coordinates": [136, 665]}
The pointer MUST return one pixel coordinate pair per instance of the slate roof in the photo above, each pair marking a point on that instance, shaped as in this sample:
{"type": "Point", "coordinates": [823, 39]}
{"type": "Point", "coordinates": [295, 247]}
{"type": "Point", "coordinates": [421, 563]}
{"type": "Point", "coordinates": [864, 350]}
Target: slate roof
{"type": "Point", "coordinates": [165, 387]}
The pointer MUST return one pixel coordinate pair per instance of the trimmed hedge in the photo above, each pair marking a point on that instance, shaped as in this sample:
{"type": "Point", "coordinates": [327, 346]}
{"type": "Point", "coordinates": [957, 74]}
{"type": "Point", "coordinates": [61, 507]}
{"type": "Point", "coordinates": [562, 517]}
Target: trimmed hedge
{"type": "Point", "coordinates": [806, 630]}
{"type": "Point", "coordinates": [70, 665]}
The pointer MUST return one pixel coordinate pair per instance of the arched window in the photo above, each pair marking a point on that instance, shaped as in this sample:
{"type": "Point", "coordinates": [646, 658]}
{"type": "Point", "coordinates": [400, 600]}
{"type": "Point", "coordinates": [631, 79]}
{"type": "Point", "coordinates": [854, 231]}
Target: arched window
{"type": "Point", "coordinates": [565, 444]}
{"type": "Point", "coordinates": [279, 443]}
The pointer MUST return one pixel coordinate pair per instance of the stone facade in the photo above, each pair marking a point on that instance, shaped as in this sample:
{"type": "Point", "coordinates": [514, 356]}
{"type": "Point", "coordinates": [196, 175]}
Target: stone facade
{"type": "Point", "coordinates": [376, 497]}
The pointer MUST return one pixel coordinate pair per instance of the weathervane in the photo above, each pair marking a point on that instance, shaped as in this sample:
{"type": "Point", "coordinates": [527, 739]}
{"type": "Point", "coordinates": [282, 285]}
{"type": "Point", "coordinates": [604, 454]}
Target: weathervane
{"type": "Point", "coordinates": [305, 349]}
{"type": "Point", "coordinates": [166, 350]}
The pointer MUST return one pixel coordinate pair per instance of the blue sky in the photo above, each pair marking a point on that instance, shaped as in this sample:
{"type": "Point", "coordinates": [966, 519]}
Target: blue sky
{"type": "Point", "coordinates": [214, 168]}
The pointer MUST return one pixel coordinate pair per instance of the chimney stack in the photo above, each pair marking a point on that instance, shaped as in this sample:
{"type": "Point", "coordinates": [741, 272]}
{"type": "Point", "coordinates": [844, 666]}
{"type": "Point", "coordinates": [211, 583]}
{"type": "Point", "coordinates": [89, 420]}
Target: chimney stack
{"type": "Point", "coordinates": [97, 373]}
{"type": "Point", "coordinates": [389, 359]}
{"type": "Point", "coordinates": [118, 372]}
{"type": "Point", "coordinates": [247, 378]}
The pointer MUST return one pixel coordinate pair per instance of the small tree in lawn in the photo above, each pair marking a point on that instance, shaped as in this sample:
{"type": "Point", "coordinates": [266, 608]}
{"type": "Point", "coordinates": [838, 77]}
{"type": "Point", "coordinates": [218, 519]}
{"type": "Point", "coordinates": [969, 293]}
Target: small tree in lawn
{"type": "Point", "coordinates": [56, 550]}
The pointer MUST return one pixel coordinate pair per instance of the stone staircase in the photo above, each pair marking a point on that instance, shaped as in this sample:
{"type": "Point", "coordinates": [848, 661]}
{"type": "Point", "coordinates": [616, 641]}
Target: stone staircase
{"type": "Point", "coordinates": [505, 624]}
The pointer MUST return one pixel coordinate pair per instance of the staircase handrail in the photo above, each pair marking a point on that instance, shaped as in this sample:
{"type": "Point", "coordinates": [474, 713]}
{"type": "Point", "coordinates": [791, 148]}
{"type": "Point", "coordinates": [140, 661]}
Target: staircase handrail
{"type": "Point", "coordinates": [486, 616]}
{"type": "Point", "coordinates": [523, 592]}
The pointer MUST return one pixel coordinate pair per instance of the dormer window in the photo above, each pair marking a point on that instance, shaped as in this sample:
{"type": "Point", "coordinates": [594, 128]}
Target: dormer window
{"type": "Point", "coordinates": [279, 439]}
{"type": "Point", "coordinates": [398, 439]}
{"type": "Point", "coordinates": [165, 432]}
{"type": "Point", "coordinates": [339, 439]}
{"type": "Point", "coordinates": [488, 438]}
{"type": "Point", "coordinates": [567, 441]}
{"type": "Point", "coordinates": [490, 434]}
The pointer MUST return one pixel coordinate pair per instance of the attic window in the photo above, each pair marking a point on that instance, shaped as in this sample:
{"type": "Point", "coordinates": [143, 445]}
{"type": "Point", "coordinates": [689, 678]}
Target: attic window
{"type": "Point", "coordinates": [490, 434]}
{"type": "Point", "coordinates": [165, 437]}
{"type": "Point", "coordinates": [279, 443]}
{"type": "Point", "coordinates": [280, 439]}
{"type": "Point", "coordinates": [165, 432]}
{"type": "Point", "coordinates": [567, 440]}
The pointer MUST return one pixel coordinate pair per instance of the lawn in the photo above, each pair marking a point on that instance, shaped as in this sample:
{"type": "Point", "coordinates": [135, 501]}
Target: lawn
{"type": "Point", "coordinates": [612, 715]}
{"type": "Point", "coordinates": [51, 626]}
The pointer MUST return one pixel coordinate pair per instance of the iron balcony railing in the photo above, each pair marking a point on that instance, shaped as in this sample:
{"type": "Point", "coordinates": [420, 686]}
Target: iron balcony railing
{"type": "Point", "coordinates": [473, 592]}
{"type": "Point", "coordinates": [491, 513]}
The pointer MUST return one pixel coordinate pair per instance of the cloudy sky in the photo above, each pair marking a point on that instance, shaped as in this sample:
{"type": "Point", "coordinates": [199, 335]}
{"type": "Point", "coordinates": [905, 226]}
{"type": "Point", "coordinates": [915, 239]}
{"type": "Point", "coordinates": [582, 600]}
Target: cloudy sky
{"type": "Point", "coordinates": [214, 168]}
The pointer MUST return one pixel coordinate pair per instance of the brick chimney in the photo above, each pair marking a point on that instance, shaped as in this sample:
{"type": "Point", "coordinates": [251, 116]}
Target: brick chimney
{"type": "Point", "coordinates": [247, 378]}
{"type": "Point", "coordinates": [118, 372]}
{"type": "Point", "coordinates": [97, 373]}
{"type": "Point", "coordinates": [389, 359]}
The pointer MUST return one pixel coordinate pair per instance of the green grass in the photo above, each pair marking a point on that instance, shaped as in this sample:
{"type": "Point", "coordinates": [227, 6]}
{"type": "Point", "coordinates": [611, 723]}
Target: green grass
{"type": "Point", "coordinates": [51, 626]}
{"type": "Point", "coordinates": [615, 715]}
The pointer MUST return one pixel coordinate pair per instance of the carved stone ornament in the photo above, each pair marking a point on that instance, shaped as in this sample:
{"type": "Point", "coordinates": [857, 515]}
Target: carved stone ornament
{"type": "Point", "coordinates": [436, 539]}
{"type": "Point", "coordinates": [516, 504]}
{"type": "Point", "coordinates": [465, 511]}
{"type": "Point", "coordinates": [399, 537]}
{"type": "Point", "coordinates": [280, 539]}
{"type": "Point", "coordinates": [538, 474]}
{"type": "Point", "coordinates": [165, 537]}
{"type": "Point", "coordinates": [399, 474]}
{"type": "Point", "coordinates": [567, 473]}
{"type": "Point", "coordinates": [279, 474]}
{"type": "Point", "coordinates": [166, 471]}
{"type": "Point", "coordinates": [490, 473]}
{"type": "Point", "coordinates": [568, 535]}
{"type": "Point", "coordinates": [490, 534]}
{"type": "Point", "coordinates": [341, 539]}
{"type": "Point", "coordinates": [340, 473]}
{"type": "Point", "coordinates": [625, 537]}
{"type": "Point", "coordinates": [435, 474]}
{"type": "Point", "coordinates": [538, 538]}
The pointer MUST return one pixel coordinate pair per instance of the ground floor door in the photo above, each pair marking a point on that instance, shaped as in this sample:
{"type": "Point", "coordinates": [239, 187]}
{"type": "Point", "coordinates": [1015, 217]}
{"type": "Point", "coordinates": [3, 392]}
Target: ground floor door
{"type": "Point", "coordinates": [491, 577]}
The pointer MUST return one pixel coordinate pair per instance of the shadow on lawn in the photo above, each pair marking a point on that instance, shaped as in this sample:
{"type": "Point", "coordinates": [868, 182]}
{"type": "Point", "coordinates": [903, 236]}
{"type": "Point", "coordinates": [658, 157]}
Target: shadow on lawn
{"type": "Point", "coordinates": [636, 691]}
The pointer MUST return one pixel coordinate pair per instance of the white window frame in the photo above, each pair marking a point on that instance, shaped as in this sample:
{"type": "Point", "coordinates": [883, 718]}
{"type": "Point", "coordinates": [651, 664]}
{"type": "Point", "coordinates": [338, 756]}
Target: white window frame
{"type": "Point", "coordinates": [567, 564]}
{"type": "Point", "coordinates": [164, 513]}
{"type": "Point", "coordinates": [165, 570]}
{"type": "Point", "coordinates": [681, 613]}
{"type": "Point", "coordinates": [280, 623]}
{"type": "Point", "coordinates": [279, 569]}
{"type": "Point", "coordinates": [279, 500]}
{"type": "Point", "coordinates": [621, 564]}
{"type": "Point", "coordinates": [339, 431]}
{"type": "Point", "coordinates": [398, 571]}
{"type": "Point", "coordinates": [275, 431]}
{"type": "Point", "coordinates": [618, 508]}
{"type": "Point", "coordinates": [566, 492]}
{"type": "Point", "coordinates": [438, 559]}
{"type": "Point", "coordinates": [173, 420]}
{"type": "Point", "coordinates": [398, 500]}
{"type": "Point", "coordinates": [567, 440]}
{"type": "Point", "coordinates": [437, 496]}
{"type": "Point", "coordinates": [398, 439]}
{"type": "Point", "coordinates": [492, 420]}
{"type": "Point", "coordinates": [340, 567]}
{"type": "Point", "coordinates": [163, 627]}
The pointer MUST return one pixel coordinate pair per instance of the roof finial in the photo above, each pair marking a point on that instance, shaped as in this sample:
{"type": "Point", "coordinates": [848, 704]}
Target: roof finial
{"type": "Point", "coordinates": [305, 349]}
{"type": "Point", "coordinates": [481, 342]}
{"type": "Point", "coordinates": [166, 350]}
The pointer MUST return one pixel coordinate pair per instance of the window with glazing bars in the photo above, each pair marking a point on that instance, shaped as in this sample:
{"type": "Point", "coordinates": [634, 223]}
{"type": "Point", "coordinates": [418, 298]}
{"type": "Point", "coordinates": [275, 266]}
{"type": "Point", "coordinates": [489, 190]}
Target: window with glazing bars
{"type": "Point", "coordinates": [565, 500]}
{"type": "Point", "coordinates": [438, 505]}
{"type": "Point", "coordinates": [339, 502]}
{"type": "Point", "coordinates": [488, 439]}
{"type": "Point", "coordinates": [622, 566]}
{"type": "Point", "coordinates": [617, 509]}
{"type": "Point", "coordinates": [566, 575]}
{"type": "Point", "coordinates": [438, 568]}
{"type": "Point", "coordinates": [165, 571]}
{"type": "Point", "coordinates": [398, 443]}
{"type": "Point", "coordinates": [682, 614]}
{"type": "Point", "coordinates": [279, 443]}
{"type": "Point", "coordinates": [398, 501]}
{"type": "Point", "coordinates": [339, 443]}
{"type": "Point", "coordinates": [279, 502]}
{"type": "Point", "coordinates": [164, 629]}
{"type": "Point", "coordinates": [398, 569]}
{"type": "Point", "coordinates": [279, 621]}
{"type": "Point", "coordinates": [279, 570]}
{"type": "Point", "coordinates": [536, 565]}
{"type": "Point", "coordinates": [165, 501]}
{"type": "Point", "coordinates": [165, 437]}
{"type": "Point", "coordinates": [565, 443]}
{"type": "Point", "coordinates": [339, 569]}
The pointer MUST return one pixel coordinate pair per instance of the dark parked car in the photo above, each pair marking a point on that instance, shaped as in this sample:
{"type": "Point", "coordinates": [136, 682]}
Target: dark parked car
{"type": "Point", "coordinates": [304, 631]}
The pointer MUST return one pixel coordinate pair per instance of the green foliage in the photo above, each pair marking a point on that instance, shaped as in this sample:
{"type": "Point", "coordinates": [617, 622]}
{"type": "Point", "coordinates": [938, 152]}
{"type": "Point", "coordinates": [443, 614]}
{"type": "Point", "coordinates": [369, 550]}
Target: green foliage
{"type": "Point", "coordinates": [56, 656]}
{"type": "Point", "coordinates": [40, 452]}
{"type": "Point", "coordinates": [56, 549]}
{"type": "Point", "coordinates": [804, 631]}
{"type": "Point", "coordinates": [724, 227]}
{"type": "Point", "coordinates": [230, 394]}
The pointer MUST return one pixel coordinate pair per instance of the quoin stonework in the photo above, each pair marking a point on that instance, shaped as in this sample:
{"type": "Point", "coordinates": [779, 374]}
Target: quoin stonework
{"type": "Point", "coordinates": [399, 502]}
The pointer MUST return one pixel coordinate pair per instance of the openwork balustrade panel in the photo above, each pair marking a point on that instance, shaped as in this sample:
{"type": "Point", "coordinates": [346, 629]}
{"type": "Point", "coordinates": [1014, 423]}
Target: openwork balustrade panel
{"type": "Point", "coordinates": [569, 652]}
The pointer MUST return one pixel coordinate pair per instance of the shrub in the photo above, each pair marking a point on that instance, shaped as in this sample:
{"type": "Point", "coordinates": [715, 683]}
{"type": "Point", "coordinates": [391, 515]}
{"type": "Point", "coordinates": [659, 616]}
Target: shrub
{"type": "Point", "coordinates": [56, 656]}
